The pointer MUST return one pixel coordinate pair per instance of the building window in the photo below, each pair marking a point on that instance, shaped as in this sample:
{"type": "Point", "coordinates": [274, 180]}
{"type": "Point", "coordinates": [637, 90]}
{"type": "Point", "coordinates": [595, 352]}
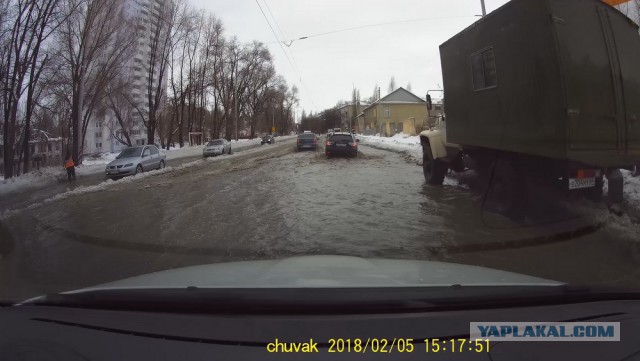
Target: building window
{"type": "Point", "coordinates": [57, 146]}
{"type": "Point", "coordinates": [483, 69]}
{"type": "Point", "coordinates": [49, 147]}
{"type": "Point", "coordinates": [387, 112]}
{"type": "Point", "coordinates": [98, 135]}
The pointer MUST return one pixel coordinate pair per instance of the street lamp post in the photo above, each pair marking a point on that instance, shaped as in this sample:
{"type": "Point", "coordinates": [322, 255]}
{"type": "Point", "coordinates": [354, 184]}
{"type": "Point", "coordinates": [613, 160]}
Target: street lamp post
{"type": "Point", "coordinates": [484, 11]}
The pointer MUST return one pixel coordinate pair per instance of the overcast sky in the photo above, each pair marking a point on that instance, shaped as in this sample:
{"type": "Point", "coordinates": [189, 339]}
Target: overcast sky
{"type": "Point", "coordinates": [325, 68]}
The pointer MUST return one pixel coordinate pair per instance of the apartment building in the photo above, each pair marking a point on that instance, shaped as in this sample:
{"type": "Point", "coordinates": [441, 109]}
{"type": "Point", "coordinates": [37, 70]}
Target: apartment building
{"type": "Point", "coordinates": [100, 132]}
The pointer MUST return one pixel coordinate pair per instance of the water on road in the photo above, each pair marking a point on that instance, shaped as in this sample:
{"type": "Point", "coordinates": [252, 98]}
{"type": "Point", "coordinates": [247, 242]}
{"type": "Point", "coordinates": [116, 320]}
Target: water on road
{"type": "Point", "coordinates": [274, 203]}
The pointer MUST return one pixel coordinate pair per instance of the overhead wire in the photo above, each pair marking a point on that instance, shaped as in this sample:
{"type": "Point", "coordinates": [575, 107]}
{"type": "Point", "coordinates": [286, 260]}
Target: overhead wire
{"type": "Point", "coordinates": [283, 50]}
{"type": "Point", "coordinates": [289, 42]}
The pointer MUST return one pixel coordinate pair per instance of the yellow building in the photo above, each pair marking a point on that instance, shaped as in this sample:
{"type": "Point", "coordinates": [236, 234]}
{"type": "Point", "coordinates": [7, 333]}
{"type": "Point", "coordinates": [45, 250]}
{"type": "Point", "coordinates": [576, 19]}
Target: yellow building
{"type": "Point", "coordinates": [398, 112]}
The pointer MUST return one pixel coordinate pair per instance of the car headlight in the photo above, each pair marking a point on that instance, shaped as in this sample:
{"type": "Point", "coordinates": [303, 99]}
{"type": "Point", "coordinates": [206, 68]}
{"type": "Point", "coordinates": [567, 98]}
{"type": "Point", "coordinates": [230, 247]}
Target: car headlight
{"type": "Point", "coordinates": [128, 165]}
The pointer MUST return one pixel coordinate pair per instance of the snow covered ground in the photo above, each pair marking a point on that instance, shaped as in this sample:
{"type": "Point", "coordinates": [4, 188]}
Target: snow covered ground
{"type": "Point", "coordinates": [409, 144]}
{"type": "Point", "coordinates": [48, 175]}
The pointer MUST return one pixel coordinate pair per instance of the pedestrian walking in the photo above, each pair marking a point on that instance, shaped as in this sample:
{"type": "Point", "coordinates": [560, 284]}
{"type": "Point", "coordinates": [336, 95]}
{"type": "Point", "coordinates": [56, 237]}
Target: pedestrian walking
{"type": "Point", "coordinates": [70, 166]}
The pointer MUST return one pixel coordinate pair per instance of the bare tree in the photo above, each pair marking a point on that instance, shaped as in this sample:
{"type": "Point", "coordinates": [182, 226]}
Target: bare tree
{"type": "Point", "coordinates": [21, 66]}
{"type": "Point", "coordinates": [94, 42]}
{"type": "Point", "coordinates": [118, 102]}
{"type": "Point", "coordinates": [178, 72]}
{"type": "Point", "coordinates": [392, 84]}
{"type": "Point", "coordinates": [162, 40]}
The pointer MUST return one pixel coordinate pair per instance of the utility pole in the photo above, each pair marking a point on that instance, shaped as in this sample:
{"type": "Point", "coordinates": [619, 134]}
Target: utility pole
{"type": "Point", "coordinates": [273, 117]}
{"type": "Point", "coordinates": [484, 11]}
{"type": "Point", "coordinates": [235, 107]}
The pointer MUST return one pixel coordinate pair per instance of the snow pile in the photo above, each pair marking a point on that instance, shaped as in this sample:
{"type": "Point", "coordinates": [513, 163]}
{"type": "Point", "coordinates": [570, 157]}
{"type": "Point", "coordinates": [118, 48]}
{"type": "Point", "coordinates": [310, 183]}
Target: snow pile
{"type": "Point", "coordinates": [404, 143]}
{"type": "Point", "coordinates": [33, 179]}
{"type": "Point", "coordinates": [631, 189]}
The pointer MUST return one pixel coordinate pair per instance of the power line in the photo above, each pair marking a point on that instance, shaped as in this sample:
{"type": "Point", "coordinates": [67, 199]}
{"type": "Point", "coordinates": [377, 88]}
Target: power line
{"type": "Point", "coordinates": [285, 53]}
{"type": "Point", "coordinates": [274, 19]}
{"type": "Point", "coordinates": [295, 63]}
{"type": "Point", "coordinates": [289, 42]}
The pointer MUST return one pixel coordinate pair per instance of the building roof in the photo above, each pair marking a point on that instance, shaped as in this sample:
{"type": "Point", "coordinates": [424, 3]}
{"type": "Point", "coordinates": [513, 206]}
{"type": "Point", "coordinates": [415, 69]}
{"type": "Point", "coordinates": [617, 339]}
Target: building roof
{"type": "Point", "coordinates": [398, 96]}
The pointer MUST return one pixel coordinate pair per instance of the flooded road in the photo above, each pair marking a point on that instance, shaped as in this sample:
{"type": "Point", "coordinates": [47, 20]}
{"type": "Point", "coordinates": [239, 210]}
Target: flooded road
{"type": "Point", "coordinates": [280, 203]}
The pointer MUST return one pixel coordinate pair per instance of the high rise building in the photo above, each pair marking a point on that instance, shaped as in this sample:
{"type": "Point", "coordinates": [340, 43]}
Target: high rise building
{"type": "Point", "coordinates": [145, 15]}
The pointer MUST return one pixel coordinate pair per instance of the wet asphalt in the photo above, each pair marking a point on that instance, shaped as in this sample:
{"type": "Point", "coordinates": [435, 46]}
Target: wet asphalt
{"type": "Point", "coordinates": [275, 202]}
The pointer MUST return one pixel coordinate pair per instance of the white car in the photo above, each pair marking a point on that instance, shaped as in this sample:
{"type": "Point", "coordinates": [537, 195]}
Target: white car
{"type": "Point", "coordinates": [217, 147]}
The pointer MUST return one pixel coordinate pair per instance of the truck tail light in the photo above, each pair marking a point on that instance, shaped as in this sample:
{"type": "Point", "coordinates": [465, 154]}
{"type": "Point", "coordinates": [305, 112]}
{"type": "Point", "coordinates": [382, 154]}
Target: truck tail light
{"type": "Point", "coordinates": [587, 173]}
{"type": "Point", "coordinates": [353, 144]}
{"type": "Point", "coordinates": [329, 143]}
{"type": "Point", "coordinates": [298, 141]}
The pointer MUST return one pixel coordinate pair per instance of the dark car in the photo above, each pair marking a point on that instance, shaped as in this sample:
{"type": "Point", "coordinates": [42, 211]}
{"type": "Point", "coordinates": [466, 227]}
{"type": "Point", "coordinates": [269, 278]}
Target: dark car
{"type": "Point", "coordinates": [267, 139]}
{"type": "Point", "coordinates": [307, 141]}
{"type": "Point", "coordinates": [341, 144]}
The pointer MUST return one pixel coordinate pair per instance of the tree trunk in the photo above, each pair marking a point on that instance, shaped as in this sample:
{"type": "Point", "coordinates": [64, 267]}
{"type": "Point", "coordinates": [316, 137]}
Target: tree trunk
{"type": "Point", "coordinates": [8, 137]}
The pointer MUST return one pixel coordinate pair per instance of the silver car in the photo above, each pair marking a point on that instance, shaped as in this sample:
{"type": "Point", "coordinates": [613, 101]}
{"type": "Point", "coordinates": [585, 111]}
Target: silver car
{"type": "Point", "coordinates": [216, 146]}
{"type": "Point", "coordinates": [134, 160]}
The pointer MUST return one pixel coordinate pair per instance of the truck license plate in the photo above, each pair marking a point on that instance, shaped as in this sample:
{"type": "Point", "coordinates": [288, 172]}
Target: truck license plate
{"type": "Point", "coordinates": [577, 183]}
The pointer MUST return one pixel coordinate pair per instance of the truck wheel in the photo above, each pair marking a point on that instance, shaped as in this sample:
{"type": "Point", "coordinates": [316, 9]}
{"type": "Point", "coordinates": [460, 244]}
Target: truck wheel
{"type": "Point", "coordinates": [434, 171]}
{"type": "Point", "coordinates": [506, 193]}
{"type": "Point", "coordinates": [595, 194]}
{"type": "Point", "coordinates": [616, 183]}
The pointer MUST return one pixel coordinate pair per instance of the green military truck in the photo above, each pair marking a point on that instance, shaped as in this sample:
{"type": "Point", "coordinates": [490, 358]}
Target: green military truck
{"type": "Point", "coordinates": [540, 94]}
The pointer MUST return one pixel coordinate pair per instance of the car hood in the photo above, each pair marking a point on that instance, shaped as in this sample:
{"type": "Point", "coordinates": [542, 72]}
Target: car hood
{"type": "Point", "coordinates": [327, 271]}
{"type": "Point", "coordinates": [213, 146]}
{"type": "Point", "coordinates": [123, 161]}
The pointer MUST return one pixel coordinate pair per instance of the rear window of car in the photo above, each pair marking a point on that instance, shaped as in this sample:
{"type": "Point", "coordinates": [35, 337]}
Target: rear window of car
{"type": "Point", "coordinates": [153, 149]}
{"type": "Point", "coordinates": [307, 136]}
{"type": "Point", "coordinates": [341, 138]}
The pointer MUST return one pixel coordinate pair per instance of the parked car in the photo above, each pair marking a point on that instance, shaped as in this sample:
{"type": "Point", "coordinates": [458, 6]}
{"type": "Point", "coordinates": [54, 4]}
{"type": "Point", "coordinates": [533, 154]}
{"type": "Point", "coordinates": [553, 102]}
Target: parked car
{"type": "Point", "coordinates": [267, 139]}
{"type": "Point", "coordinates": [341, 144]}
{"type": "Point", "coordinates": [216, 147]}
{"type": "Point", "coordinates": [307, 141]}
{"type": "Point", "coordinates": [134, 160]}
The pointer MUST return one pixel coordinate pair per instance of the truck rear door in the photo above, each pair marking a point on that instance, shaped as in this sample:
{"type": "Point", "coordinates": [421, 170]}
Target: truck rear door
{"type": "Point", "coordinates": [627, 41]}
{"type": "Point", "coordinates": [592, 75]}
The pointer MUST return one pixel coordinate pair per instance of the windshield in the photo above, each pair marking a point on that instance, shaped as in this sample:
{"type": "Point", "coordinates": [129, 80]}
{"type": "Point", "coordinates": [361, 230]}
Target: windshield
{"type": "Point", "coordinates": [488, 151]}
{"type": "Point", "coordinates": [130, 153]}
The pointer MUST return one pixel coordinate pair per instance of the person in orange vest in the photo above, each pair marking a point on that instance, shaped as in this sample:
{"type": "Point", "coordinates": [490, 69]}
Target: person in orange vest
{"type": "Point", "coordinates": [70, 166]}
